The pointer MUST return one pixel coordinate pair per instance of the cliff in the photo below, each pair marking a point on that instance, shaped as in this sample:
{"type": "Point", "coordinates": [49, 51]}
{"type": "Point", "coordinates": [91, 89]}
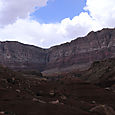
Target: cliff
{"type": "Point", "coordinates": [79, 53]}
{"type": "Point", "coordinates": [21, 56]}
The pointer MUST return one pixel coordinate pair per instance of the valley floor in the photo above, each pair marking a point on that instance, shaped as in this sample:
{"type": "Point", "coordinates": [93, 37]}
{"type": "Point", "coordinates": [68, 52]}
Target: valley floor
{"type": "Point", "coordinates": [65, 96]}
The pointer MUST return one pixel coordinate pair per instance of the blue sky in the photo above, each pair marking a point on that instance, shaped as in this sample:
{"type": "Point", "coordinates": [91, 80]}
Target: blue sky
{"type": "Point", "coordinates": [56, 10]}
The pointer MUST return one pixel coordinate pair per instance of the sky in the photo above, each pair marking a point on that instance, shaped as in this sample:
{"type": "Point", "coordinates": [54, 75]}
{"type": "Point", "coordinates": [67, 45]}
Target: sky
{"type": "Point", "coordinates": [57, 10]}
{"type": "Point", "coordinates": [46, 23]}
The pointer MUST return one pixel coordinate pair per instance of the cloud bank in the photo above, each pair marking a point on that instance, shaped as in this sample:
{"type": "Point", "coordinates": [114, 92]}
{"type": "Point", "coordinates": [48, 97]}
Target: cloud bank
{"type": "Point", "coordinates": [11, 10]}
{"type": "Point", "coordinates": [19, 27]}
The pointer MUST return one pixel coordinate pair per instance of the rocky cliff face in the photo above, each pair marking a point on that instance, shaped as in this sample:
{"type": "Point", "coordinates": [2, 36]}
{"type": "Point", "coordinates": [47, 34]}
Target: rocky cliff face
{"type": "Point", "coordinates": [78, 53]}
{"type": "Point", "coordinates": [21, 56]}
{"type": "Point", "coordinates": [101, 73]}
{"type": "Point", "coordinates": [83, 51]}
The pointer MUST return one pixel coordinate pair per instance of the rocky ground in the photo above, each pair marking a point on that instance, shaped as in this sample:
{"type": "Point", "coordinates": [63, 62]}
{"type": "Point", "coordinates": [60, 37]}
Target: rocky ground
{"type": "Point", "coordinates": [33, 95]}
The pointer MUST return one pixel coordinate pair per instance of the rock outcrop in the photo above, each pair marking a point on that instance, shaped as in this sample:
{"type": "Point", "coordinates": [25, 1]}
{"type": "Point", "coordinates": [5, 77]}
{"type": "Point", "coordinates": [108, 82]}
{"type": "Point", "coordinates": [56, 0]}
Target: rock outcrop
{"type": "Point", "coordinates": [101, 73]}
{"type": "Point", "coordinates": [103, 110]}
{"type": "Point", "coordinates": [79, 53]}
{"type": "Point", "coordinates": [20, 56]}
{"type": "Point", "coordinates": [95, 46]}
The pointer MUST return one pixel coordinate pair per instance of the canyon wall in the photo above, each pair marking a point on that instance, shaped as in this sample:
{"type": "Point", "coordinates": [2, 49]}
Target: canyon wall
{"type": "Point", "coordinates": [78, 53]}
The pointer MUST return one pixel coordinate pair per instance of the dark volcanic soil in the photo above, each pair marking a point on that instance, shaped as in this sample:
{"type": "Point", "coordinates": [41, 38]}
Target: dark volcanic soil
{"type": "Point", "coordinates": [21, 95]}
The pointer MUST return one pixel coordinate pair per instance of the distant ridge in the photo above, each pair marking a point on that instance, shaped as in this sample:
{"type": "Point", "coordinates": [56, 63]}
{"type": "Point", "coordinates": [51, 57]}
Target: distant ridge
{"type": "Point", "coordinates": [77, 54]}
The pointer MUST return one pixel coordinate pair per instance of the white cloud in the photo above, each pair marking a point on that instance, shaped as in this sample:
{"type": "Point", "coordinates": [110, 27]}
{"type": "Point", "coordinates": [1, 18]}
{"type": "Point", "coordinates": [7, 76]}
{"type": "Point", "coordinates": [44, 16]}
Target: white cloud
{"type": "Point", "coordinates": [11, 10]}
{"type": "Point", "coordinates": [46, 35]}
{"type": "Point", "coordinates": [102, 11]}
{"type": "Point", "coordinates": [101, 14]}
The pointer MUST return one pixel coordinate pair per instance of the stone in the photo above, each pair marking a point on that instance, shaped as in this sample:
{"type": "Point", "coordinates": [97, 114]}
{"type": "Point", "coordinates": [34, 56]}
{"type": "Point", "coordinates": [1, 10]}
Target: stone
{"type": "Point", "coordinates": [103, 110]}
{"type": "Point", "coordinates": [52, 93]}
{"type": "Point", "coordinates": [107, 88]}
{"type": "Point", "coordinates": [17, 90]}
{"type": "Point", "coordinates": [41, 101]}
{"type": "Point", "coordinates": [34, 99]}
{"type": "Point", "coordinates": [2, 112]}
{"type": "Point", "coordinates": [54, 102]}
{"type": "Point", "coordinates": [93, 102]}
{"type": "Point", "coordinates": [63, 97]}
